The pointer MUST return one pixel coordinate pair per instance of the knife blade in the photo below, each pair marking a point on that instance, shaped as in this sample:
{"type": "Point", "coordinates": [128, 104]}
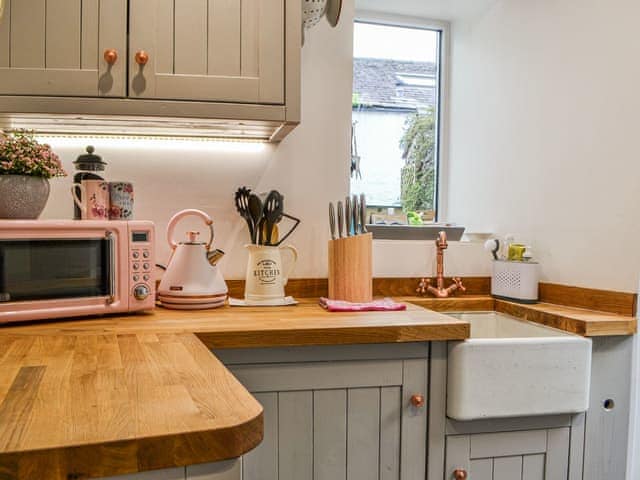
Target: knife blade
{"type": "Point", "coordinates": [363, 214]}
{"type": "Point", "coordinates": [340, 219]}
{"type": "Point", "coordinates": [347, 216]}
{"type": "Point", "coordinates": [355, 212]}
{"type": "Point", "coordinates": [332, 221]}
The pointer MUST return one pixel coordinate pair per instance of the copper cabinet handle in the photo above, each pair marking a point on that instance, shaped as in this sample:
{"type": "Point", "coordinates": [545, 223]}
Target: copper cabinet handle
{"type": "Point", "coordinates": [111, 56]}
{"type": "Point", "coordinates": [460, 474]}
{"type": "Point", "coordinates": [142, 57]}
{"type": "Point", "coordinates": [417, 400]}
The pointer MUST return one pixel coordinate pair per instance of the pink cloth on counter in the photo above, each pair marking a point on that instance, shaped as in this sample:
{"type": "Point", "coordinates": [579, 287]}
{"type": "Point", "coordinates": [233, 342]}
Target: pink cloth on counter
{"type": "Point", "coordinates": [383, 305]}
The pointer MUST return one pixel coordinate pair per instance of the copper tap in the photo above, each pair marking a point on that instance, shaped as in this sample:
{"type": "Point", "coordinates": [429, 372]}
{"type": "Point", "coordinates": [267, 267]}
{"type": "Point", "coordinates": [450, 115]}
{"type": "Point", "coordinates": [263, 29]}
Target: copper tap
{"type": "Point", "coordinates": [439, 290]}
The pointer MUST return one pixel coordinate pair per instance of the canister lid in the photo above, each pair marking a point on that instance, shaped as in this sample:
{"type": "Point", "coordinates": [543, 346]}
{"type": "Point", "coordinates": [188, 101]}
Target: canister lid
{"type": "Point", "coordinates": [89, 161]}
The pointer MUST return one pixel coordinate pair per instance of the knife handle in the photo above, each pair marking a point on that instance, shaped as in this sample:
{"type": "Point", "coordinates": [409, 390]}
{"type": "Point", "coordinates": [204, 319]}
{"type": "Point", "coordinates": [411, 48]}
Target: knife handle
{"type": "Point", "coordinates": [340, 219]}
{"type": "Point", "coordinates": [347, 215]}
{"type": "Point", "coordinates": [355, 213]}
{"type": "Point", "coordinates": [332, 221]}
{"type": "Point", "coordinates": [363, 213]}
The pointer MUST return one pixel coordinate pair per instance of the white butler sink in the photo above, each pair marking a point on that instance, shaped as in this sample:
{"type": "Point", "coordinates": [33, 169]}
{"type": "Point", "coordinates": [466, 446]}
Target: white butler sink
{"type": "Point", "coordinates": [514, 368]}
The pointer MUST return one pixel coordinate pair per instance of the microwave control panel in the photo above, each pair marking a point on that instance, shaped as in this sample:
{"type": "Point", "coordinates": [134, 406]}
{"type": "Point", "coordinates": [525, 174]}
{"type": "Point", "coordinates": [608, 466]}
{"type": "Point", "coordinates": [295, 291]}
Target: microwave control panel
{"type": "Point", "coordinates": [141, 268]}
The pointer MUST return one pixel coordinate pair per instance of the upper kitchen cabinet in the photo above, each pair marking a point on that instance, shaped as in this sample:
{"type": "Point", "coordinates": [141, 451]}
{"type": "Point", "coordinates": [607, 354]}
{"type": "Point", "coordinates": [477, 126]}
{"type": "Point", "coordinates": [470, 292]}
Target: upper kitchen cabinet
{"type": "Point", "coordinates": [63, 47]}
{"type": "Point", "coordinates": [210, 50]}
{"type": "Point", "coordinates": [216, 68]}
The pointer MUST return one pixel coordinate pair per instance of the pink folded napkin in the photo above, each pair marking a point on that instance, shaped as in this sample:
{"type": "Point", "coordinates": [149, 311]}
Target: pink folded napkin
{"type": "Point", "coordinates": [384, 305]}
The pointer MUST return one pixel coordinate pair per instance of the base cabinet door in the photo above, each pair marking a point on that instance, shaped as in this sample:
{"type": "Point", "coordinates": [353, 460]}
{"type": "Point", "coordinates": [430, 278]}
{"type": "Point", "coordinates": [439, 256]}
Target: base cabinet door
{"type": "Point", "coordinates": [520, 455]}
{"type": "Point", "coordinates": [224, 470]}
{"type": "Point", "coordinates": [352, 420]}
{"type": "Point", "coordinates": [57, 48]}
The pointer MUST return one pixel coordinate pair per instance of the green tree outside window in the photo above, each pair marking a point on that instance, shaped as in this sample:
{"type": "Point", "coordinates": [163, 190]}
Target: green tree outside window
{"type": "Point", "coordinates": [417, 190]}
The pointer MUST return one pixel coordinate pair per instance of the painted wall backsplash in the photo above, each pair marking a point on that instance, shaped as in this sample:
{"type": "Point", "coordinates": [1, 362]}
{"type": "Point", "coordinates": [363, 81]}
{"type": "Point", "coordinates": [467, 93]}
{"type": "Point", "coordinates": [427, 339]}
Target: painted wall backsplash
{"type": "Point", "coordinates": [543, 134]}
{"type": "Point", "coordinates": [310, 168]}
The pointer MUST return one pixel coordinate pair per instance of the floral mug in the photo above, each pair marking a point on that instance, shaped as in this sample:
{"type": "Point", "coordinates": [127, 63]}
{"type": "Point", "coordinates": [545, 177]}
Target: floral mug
{"type": "Point", "coordinates": [121, 194]}
{"type": "Point", "coordinates": [95, 199]}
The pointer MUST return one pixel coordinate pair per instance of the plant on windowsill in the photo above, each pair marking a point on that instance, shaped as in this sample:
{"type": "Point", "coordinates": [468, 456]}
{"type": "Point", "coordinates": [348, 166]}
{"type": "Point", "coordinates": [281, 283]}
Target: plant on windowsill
{"type": "Point", "coordinates": [25, 169]}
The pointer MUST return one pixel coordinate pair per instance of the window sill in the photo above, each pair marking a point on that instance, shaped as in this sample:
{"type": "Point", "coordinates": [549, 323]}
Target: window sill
{"type": "Point", "coordinates": [415, 232]}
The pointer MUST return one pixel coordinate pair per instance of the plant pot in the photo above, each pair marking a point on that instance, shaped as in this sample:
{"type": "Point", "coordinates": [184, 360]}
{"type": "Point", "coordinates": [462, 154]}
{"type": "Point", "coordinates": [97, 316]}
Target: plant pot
{"type": "Point", "coordinates": [22, 196]}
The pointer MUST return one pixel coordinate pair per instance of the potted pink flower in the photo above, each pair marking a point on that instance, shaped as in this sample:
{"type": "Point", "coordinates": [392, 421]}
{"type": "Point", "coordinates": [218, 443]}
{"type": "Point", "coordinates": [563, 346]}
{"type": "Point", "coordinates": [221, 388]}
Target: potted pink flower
{"type": "Point", "coordinates": [25, 169]}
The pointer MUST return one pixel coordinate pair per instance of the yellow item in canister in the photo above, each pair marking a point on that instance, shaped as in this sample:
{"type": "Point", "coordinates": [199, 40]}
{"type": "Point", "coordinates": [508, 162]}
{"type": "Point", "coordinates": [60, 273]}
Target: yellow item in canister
{"type": "Point", "coordinates": [516, 251]}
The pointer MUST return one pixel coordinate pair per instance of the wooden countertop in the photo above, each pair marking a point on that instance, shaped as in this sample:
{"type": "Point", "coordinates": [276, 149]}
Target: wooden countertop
{"type": "Point", "coordinates": [588, 323]}
{"type": "Point", "coordinates": [113, 395]}
{"type": "Point", "coordinates": [236, 327]}
{"type": "Point", "coordinates": [84, 406]}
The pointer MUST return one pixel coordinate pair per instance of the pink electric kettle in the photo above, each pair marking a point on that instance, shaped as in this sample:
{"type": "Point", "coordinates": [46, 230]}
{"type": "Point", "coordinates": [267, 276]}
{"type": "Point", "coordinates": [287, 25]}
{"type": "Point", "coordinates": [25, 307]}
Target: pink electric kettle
{"type": "Point", "coordinates": [193, 280]}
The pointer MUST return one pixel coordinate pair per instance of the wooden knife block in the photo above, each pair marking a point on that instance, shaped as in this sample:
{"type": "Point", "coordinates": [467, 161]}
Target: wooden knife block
{"type": "Point", "coordinates": [350, 268]}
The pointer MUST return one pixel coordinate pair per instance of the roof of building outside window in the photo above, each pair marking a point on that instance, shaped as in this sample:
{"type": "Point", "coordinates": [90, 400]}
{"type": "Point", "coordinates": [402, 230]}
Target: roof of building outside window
{"type": "Point", "coordinates": [393, 84]}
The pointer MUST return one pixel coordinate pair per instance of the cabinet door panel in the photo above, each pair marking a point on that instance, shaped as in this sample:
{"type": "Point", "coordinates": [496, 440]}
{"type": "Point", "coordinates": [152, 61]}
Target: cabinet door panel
{"type": "Point", "coordinates": [329, 434]}
{"type": "Point", "coordinates": [28, 29]}
{"type": "Point", "coordinates": [210, 50]}
{"type": "Point", "coordinates": [225, 470]}
{"type": "Point", "coordinates": [295, 439]}
{"type": "Point", "coordinates": [62, 34]}
{"type": "Point", "coordinates": [390, 432]}
{"type": "Point", "coordinates": [5, 37]}
{"type": "Point", "coordinates": [507, 468]}
{"type": "Point", "coordinates": [224, 47]}
{"type": "Point", "coordinates": [414, 421]}
{"type": "Point", "coordinates": [262, 462]}
{"type": "Point", "coordinates": [522, 455]}
{"type": "Point", "coordinates": [54, 47]}
{"type": "Point", "coordinates": [363, 426]}
{"type": "Point", "coordinates": [533, 467]}
{"type": "Point", "coordinates": [338, 420]}
{"type": "Point", "coordinates": [481, 469]}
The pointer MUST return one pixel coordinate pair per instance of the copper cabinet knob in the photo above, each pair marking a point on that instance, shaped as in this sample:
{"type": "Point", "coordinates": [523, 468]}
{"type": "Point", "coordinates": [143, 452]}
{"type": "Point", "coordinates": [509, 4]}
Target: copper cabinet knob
{"type": "Point", "coordinates": [142, 58]}
{"type": "Point", "coordinates": [417, 400]}
{"type": "Point", "coordinates": [460, 474]}
{"type": "Point", "coordinates": [110, 56]}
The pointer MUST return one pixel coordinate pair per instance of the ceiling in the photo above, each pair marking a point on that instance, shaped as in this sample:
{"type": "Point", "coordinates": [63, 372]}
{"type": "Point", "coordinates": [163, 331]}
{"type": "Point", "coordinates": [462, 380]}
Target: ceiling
{"type": "Point", "coordinates": [432, 9]}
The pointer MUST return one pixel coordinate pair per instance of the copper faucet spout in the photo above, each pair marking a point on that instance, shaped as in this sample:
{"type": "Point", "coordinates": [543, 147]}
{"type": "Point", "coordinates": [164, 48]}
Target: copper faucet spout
{"type": "Point", "coordinates": [441, 241]}
{"type": "Point", "coordinates": [439, 291]}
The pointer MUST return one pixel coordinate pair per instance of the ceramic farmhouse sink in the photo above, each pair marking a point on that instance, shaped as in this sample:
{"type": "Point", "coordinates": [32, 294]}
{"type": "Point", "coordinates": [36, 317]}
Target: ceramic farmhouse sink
{"type": "Point", "coordinates": [514, 368]}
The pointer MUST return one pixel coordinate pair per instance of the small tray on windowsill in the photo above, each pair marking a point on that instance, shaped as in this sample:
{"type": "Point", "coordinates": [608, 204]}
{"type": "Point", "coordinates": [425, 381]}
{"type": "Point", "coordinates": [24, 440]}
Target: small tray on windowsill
{"type": "Point", "coordinates": [415, 232]}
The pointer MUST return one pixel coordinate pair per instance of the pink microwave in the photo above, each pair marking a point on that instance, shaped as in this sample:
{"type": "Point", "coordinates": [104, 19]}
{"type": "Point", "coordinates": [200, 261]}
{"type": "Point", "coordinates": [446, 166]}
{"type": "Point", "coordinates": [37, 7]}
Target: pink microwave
{"type": "Point", "coordinates": [68, 268]}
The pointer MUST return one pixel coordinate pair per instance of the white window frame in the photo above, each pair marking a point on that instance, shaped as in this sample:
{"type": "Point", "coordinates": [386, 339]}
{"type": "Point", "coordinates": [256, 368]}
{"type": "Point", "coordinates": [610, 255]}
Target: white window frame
{"type": "Point", "coordinates": [442, 168]}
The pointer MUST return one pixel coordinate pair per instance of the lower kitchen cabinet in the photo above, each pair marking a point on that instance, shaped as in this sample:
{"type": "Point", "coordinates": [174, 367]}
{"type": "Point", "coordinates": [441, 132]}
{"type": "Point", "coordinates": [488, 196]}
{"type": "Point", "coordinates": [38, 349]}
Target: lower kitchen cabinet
{"type": "Point", "coordinates": [519, 455]}
{"type": "Point", "coordinates": [344, 415]}
{"type": "Point", "coordinates": [226, 470]}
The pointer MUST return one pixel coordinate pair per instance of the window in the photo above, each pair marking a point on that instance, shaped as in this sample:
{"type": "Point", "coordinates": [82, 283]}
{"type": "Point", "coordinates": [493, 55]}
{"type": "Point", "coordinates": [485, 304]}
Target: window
{"type": "Point", "coordinates": [395, 115]}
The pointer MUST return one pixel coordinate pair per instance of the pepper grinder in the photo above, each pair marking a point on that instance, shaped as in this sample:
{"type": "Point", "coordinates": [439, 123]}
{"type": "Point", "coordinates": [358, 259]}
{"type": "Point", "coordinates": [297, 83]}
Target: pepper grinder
{"type": "Point", "coordinates": [86, 164]}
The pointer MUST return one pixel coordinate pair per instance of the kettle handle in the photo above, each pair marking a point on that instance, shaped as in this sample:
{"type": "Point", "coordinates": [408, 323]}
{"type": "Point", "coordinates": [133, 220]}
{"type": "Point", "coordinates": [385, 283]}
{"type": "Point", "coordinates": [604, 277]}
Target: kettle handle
{"type": "Point", "coordinates": [187, 213]}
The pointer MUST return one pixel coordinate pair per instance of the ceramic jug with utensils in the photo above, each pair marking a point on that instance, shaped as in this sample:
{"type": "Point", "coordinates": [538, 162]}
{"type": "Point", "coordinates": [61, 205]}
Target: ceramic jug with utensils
{"type": "Point", "coordinates": [266, 273]}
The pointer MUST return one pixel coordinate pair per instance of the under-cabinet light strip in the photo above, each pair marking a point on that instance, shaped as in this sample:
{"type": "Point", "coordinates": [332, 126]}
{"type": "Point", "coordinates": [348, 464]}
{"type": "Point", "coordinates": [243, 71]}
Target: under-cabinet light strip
{"type": "Point", "coordinates": [169, 138]}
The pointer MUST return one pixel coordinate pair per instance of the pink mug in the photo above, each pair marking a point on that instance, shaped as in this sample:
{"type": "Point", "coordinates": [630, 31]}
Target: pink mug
{"type": "Point", "coordinates": [95, 199]}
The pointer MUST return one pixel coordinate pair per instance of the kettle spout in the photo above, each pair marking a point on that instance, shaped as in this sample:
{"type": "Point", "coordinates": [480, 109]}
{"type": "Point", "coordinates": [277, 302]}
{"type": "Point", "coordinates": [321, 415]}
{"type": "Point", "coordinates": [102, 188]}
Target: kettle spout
{"type": "Point", "coordinates": [214, 256]}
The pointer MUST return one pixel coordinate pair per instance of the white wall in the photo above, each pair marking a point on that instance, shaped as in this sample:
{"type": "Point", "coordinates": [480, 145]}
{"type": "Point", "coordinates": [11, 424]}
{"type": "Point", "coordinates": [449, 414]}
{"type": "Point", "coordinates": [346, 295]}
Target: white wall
{"type": "Point", "coordinates": [544, 134]}
{"type": "Point", "coordinates": [310, 167]}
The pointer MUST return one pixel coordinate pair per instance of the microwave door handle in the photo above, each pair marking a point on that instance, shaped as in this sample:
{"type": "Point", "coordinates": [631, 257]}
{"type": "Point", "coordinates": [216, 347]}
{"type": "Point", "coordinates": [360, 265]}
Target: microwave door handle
{"type": "Point", "coordinates": [112, 267]}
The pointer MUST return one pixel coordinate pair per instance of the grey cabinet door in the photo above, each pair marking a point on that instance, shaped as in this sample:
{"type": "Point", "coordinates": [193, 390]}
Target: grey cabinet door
{"type": "Point", "coordinates": [209, 50]}
{"type": "Point", "coordinates": [56, 47]}
{"type": "Point", "coordinates": [520, 455]}
{"type": "Point", "coordinates": [350, 420]}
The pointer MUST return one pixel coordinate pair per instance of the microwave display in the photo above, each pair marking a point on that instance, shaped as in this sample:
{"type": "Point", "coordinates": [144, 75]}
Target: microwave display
{"type": "Point", "coordinates": [54, 269]}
